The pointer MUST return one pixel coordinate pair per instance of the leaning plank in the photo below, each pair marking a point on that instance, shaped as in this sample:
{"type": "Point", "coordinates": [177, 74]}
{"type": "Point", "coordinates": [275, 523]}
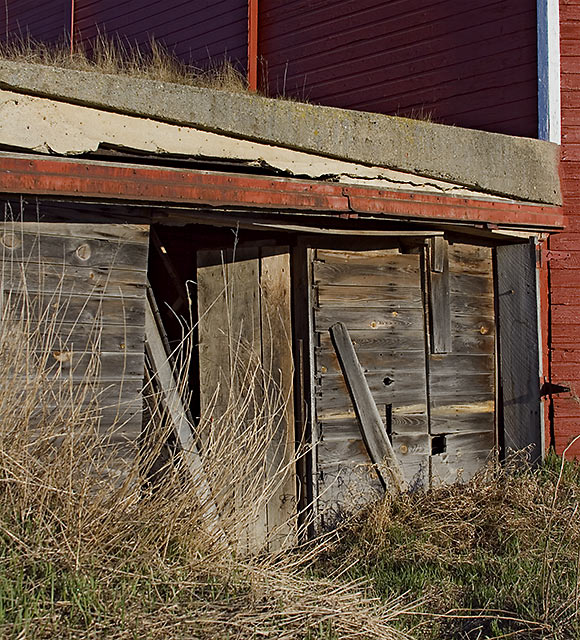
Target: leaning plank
{"type": "Point", "coordinates": [372, 428]}
{"type": "Point", "coordinates": [178, 414]}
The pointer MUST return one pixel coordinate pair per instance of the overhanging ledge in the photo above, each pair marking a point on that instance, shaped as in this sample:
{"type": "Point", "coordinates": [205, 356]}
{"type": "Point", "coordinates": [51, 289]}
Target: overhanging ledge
{"type": "Point", "coordinates": [520, 168]}
{"type": "Point", "coordinates": [112, 182]}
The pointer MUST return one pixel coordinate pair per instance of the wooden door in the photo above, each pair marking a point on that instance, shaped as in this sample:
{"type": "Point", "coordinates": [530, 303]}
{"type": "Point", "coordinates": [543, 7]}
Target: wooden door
{"type": "Point", "coordinates": [422, 325]}
{"type": "Point", "coordinates": [246, 392]}
{"type": "Point", "coordinates": [378, 295]}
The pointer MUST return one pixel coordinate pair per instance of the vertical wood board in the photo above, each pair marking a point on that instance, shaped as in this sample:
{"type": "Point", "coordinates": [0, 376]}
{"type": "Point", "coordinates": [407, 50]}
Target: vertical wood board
{"type": "Point", "coordinates": [518, 347]}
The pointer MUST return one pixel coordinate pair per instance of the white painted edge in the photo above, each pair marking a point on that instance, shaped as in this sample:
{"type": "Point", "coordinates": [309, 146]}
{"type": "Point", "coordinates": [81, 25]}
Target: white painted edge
{"type": "Point", "coordinates": [548, 38]}
{"type": "Point", "coordinates": [539, 307]}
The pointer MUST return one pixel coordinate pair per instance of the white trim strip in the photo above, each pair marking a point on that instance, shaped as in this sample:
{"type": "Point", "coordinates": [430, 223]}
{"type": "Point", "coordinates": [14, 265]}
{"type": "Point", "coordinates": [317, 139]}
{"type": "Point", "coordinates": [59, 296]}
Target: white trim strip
{"type": "Point", "coordinates": [549, 123]}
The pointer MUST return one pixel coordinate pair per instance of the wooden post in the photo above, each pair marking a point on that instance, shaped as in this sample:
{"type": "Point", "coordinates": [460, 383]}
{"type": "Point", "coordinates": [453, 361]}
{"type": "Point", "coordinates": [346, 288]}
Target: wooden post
{"type": "Point", "coordinates": [372, 428]}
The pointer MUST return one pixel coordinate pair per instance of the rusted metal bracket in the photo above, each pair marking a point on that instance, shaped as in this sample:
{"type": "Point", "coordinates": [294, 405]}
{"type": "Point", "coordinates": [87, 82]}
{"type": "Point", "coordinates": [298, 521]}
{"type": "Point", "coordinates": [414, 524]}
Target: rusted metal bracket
{"type": "Point", "coordinates": [550, 388]}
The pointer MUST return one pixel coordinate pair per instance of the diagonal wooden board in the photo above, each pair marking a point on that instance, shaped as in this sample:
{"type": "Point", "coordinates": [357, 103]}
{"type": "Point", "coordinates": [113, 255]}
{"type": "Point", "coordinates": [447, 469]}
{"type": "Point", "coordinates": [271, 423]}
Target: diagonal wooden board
{"type": "Point", "coordinates": [372, 428]}
{"type": "Point", "coordinates": [178, 415]}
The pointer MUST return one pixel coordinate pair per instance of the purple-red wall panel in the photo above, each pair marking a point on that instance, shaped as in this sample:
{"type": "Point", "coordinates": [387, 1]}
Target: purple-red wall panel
{"type": "Point", "coordinates": [469, 64]}
{"type": "Point", "coordinates": [47, 21]}
{"type": "Point", "coordinates": [201, 32]}
{"type": "Point", "coordinates": [565, 266]}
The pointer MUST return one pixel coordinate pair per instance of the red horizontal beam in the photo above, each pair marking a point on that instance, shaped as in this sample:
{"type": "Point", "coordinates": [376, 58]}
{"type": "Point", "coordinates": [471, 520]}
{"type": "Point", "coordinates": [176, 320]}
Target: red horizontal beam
{"type": "Point", "coordinates": [36, 175]}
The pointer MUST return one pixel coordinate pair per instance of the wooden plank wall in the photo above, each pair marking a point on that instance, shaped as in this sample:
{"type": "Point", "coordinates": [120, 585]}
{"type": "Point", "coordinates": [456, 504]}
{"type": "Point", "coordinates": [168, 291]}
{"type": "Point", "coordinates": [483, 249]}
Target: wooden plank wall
{"type": "Point", "coordinates": [378, 295]}
{"type": "Point", "coordinates": [462, 381]}
{"type": "Point", "coordinates": [246, 365]}
{"type": "Point", "coordinates": [82, 287]}
{"type": "Point", "coordinates": [565, 263]}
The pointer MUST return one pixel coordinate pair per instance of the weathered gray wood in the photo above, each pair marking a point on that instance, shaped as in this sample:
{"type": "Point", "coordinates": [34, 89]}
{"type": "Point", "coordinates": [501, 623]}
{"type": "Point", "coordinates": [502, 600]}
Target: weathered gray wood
{"type": "Point", "coordinates": [365, 319]}
{"type": "Point", "coordinates": [439, 297]}
{"type": "Point", "coordinates": [393, 340]}
{"type": "Point", "coordinates": [80, 287]}
{"type": "Point", "coordinates": [470, 259]}
{"type": "Point", "coordinates": [134, 233]}
{"type": "Point", "coordinates": [66, 279]}
{"type": "Point", "coordinates": [391, 295]}
{"type": "Point", "coordinates": [518, 347]}
{"type": "Point", "coordinates": [361, 271]}
{"type": "Point", "coordinates": [183, 428]}
{"type": "Point", "coordinates": [54, 249]}
{"type": "Point", "coordinates": [372, 427]}
{"type": "Point", "coordinates": [54, 308]}
{"type": "Point", "coordinates": [374, 361]}
{"type": "Point", "coordinates": [213, 332]}
{"type": "Point", "coordinates": [278, 365]}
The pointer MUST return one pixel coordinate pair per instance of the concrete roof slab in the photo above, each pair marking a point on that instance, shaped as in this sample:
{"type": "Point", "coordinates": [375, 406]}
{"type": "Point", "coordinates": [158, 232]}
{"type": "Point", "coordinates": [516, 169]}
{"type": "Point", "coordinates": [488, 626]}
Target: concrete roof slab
{"type": "Point", "coordinates": [520, 168]}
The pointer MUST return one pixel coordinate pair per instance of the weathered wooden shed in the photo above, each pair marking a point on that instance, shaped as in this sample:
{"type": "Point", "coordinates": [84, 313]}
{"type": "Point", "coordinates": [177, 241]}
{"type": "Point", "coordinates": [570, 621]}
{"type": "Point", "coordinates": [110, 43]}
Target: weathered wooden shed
{"type": "Point", "coordinates": [272, 222]}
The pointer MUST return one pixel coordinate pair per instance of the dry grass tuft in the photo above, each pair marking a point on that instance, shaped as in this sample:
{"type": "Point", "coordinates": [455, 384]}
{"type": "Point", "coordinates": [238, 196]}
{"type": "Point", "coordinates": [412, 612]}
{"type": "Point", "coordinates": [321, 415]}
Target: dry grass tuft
{"type": "Point", "coordinates": [119, 57]}
{"type": "Point", "coordinates": [92, 547]}
{"type": "Point", "coordinates": [497, 557]}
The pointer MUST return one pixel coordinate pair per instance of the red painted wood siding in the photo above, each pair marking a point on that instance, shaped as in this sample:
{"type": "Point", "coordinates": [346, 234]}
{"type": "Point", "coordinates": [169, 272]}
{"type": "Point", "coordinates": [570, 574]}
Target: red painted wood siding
{"type": "Point", "coordinates": [203, 32]}
{"type": "Point", "coordinates": [46, 22]}
{"type": "Point", "coordinates": [565, 268]}
{"type": "Point", "coordinates": [471, 63]}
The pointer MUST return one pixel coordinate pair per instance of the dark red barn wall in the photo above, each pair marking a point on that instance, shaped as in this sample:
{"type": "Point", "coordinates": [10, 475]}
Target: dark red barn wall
{"type": "Point", "coordinates": [46, 22]}
{"type": "Point", "coordinates": [565, 266]}
{"type": "Point", "coordinates": [470, 63]}
{"type": "Point", "coordinates": [203, 32]}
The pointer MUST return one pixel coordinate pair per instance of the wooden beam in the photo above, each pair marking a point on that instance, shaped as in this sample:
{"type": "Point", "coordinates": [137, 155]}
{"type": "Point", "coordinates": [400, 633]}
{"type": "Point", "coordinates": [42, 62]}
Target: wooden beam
{"type": "Point", "coordinates": [439, 301]}
{"type": "Point", "coordinates": [178, 414]}
{"type": "Point", "coordinates": [372, 428]}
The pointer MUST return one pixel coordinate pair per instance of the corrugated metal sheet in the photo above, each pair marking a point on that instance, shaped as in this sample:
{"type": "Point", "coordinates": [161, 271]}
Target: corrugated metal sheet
{"type": "Point", "coordinates": [49, 22]}
{"type": "Point", "coordinates": [565, 266]}
{"type": "Point", "coordinates": [469, 64]}
{"type": "Point", "coordinates": [201, 32]}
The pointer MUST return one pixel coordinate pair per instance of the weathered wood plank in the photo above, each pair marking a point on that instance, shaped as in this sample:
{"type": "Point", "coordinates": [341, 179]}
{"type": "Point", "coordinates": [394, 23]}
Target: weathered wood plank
{"type": "Point", "coordinates": [356, 269]}
{"type": "Point", "coordinates": [454, 364]}
{"type": "Point", "coordinates": [469, 259]}
{"type": "Point", "coordinates": [80, 365]}
{"type": "Point", "coordinates": [183, 428]}
{"type": "Point", "coordinates": [396, 339]}
{"type": "Point", "coordinates": [32, 248]}
{"type": "Point", "coordinates": [365, 319]}
{"type": "Point", "coordinates": [519, 347]}
{"type": "Point", "coordinates": [77, 308]}
{"type": "Point", "coordinates": [279, 372]}
{"type": "Point", "coordinates": [392, 294]}
{"type": "Point", "coordinates": [373, 361]}
{"type": "Point", "coordinates": [475, 284]}
{"type": "Point", "coordinates": [213, 333]}
{"type": "Point", "coordinates": [373, 257]}
{"type": "Point", "coordinates": [372, 428]}
{"type": "Point", "coordinates": [65, 279]}
{"type": "Point", "coordinates": [439, 297]}
{"type": "Point", "coordinates": [134, 233]}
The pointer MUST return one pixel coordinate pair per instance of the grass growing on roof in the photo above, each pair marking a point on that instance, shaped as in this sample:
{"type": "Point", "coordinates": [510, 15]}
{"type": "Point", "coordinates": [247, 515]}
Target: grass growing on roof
{"type": "Point", "coordinates": [120, 57]}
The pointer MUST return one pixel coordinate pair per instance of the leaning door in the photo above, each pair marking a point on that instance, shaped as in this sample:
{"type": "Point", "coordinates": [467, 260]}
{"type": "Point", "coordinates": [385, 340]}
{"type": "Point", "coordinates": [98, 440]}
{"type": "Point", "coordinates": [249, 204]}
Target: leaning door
{"type": "Point", "coordinates": [378, 295]}
{"type": "Point", "coordinates": [246, 389]}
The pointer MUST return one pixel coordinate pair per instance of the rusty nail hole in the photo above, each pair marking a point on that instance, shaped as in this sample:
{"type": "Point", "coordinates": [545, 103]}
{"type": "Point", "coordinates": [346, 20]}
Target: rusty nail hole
{"type": "Point", "coordinates": [483, 330]}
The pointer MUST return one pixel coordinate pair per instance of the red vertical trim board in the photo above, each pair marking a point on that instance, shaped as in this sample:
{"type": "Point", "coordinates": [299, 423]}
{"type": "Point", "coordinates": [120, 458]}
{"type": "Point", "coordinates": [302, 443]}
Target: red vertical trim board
{"type": "Point", "coordinates": [253, 45]}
